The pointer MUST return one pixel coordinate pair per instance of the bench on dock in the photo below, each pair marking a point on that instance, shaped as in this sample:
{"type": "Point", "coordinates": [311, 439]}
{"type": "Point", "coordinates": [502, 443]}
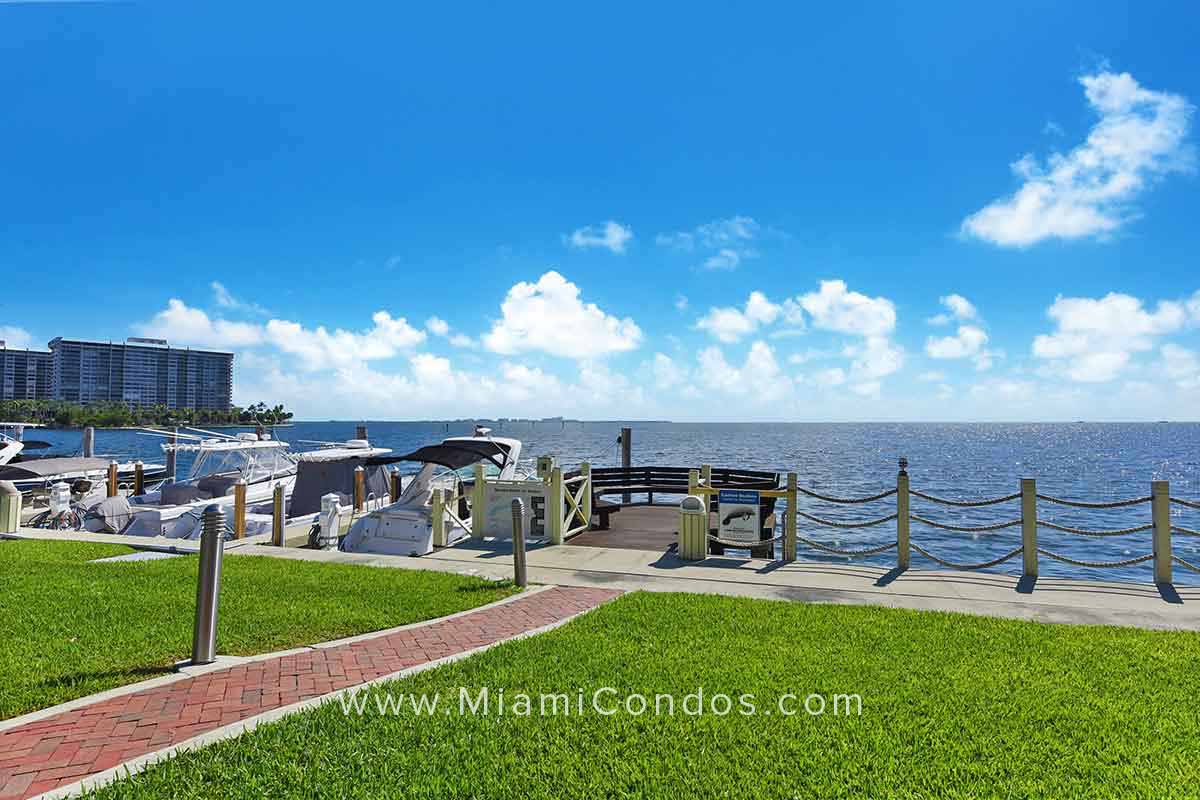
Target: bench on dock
{"type": "Point", "coordinates": [673, 481]}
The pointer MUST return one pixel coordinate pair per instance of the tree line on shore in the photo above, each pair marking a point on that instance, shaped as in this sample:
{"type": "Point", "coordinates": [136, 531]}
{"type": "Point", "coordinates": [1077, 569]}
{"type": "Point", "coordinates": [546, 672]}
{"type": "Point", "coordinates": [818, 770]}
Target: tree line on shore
{"type": "Point", "coordinates": [116, 415]}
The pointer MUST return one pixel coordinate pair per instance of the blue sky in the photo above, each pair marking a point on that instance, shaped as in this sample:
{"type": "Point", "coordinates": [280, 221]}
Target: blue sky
{"type": "Point", "coordinates": [926, 211]}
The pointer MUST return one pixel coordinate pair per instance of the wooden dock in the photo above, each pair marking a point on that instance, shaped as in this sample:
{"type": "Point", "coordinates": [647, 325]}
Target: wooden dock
{"type": "Point", "coordinates": [641, 527]}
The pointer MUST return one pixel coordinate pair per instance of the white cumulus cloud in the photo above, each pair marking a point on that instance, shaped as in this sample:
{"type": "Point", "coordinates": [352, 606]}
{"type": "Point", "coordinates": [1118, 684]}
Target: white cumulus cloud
{"type": "Point", "coordinates": [729, 324]}
{"type": "Point", "coordinates": [1089, 191]}
{"type": "Point", "coordinates": [14, 337]}
{"type": "Point", "coordinates": [548, 316]}
{"type": "Point", "coordinates": [1096, 338]}
{"type": "Point", "coordinates": [957, 308]}
{"type": "Point", "coordinates": [179, 323]}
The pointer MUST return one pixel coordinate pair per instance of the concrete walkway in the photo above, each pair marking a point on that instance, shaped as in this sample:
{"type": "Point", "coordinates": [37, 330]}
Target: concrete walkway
{"type": "Point", "coordinates": [85, 744]}
{"type": "Point", "coordinates": [1061, 600]}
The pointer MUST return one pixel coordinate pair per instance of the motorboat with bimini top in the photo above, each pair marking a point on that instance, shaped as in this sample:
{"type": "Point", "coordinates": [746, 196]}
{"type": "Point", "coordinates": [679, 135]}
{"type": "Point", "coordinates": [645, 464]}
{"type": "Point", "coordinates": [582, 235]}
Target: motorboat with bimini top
{"type": "Point", "coordinates": [219, 462]}
{"type": "Point", "coordinates": [406, 526]}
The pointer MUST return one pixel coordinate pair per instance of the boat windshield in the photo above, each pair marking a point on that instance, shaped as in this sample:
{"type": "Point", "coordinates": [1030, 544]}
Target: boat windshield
{"type": "Point", "coordinates": [253, 464]}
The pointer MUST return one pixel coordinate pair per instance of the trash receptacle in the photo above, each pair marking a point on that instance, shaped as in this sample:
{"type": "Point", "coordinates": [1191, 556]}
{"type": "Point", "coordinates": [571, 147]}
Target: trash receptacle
{"type": "Point", "coordinates": [693, 528]}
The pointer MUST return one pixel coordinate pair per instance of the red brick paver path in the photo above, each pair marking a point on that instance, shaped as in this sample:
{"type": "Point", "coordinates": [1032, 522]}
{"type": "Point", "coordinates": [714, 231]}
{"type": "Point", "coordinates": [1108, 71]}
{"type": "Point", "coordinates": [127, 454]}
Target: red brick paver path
{"type": "Point", "coordinates": [68, 747]}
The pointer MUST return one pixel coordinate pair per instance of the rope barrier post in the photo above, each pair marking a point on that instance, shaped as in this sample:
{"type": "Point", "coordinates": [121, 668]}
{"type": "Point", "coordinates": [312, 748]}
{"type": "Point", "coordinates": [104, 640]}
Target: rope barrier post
{"type": "Point", "coordinates": [394, 484]}
{"type": "Point", "coordinates": [520, 570]}
{"type": "Point", "coordinates": [239, 509]}
{"type": "Point", "coordinates": [789, 522]}
{"type": "Point", "coordinates": [1029, 528]}
{"type": "Point", "coordinates": [1160, 509]}
{"type": "Point", "coordinates": [554, 506]}
{"type": "Point", "coordinates": [903, 551]}
{"type": "Point", "coordinates": [139, 478]}
{"type": "Point", "coordinates": [478, 503]}
{"type": "Point", "coordinates": [437, 513]}
{"type": "Point", "coordinates": [112, 479]}
{"type": "Point", "coordinates": [277, 518]}
{"type": "Point", "coordinates": [585, 469]}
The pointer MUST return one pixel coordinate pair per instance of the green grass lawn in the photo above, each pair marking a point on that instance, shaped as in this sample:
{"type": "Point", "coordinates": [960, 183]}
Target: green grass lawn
{"type": "Point", "coordinates": [953, 706]}
{"type": "Point", "coordinates": [69, 628]}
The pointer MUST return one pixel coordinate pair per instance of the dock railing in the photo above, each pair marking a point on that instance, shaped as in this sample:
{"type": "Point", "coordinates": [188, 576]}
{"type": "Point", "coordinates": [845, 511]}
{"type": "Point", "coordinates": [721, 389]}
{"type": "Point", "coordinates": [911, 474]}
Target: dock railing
{"type": "Point", "coordinates": [1160, 526]}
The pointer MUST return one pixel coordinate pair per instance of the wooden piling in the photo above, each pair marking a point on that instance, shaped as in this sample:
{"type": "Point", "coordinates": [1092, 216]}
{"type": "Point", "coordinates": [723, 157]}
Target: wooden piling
{"type": "Point", "coordinates": [1160, 509]}
{"type": "Point", "coordinates": [277, 516]}
{"type": "Point", "coordinates": [239, 509]}
{"type": "Point", "coordinates": [789, 522]}
{"type": "Point", "coordinates": [626, 455]}
{"type": "Point", "coordinates": [112, 479]}
{"type": "Point", "coordinates": [1029, 528]}
{"type": "Point", "coordinates": [395, 485]}
{"type": "Point", "coordinates": [139, 478]}
{"type": "Point", "coordinates": [903, 549]}
{"type": "Point", "coordinates": [171, 440]}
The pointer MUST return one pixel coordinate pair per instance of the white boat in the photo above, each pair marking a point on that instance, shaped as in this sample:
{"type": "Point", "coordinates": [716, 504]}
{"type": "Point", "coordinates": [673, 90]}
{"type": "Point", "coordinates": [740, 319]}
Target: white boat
{"type": "Point", "coordinates": [406, 526]}
{"type": "Point", "coordinates": [219, 463]}
{"type": "Point", "coordinates": [37, 474]}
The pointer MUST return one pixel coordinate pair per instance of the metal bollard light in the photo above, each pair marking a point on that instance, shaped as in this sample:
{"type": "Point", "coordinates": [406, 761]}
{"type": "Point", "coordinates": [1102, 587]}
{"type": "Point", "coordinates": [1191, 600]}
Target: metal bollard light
{"type": "Point", "coordinates": [518, 520]}
{"type": "Point", "coordinates": [208, 585]}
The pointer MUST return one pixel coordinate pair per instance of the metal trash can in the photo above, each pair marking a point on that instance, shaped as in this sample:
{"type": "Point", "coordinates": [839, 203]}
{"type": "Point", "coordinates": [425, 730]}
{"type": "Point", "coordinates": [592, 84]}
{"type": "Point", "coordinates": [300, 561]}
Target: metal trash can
{"type": "Point", "coordinates": [693, 528]}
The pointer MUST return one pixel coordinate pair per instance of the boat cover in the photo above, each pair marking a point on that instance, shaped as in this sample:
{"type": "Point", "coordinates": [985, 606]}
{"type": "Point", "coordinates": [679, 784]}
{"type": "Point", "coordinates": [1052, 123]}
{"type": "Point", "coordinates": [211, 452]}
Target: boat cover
{"type": "Point", "coordinates": [314, 479]}
{"type": "Point", "coordinates": [460, 453]}
{"type": "Point", "coordinates": [48, 467]}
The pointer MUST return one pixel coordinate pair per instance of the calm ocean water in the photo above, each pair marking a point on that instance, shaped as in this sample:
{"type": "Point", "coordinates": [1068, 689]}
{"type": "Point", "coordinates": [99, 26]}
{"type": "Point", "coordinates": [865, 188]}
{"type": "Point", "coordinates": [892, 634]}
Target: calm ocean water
{"type": "Point", "coordinates": [1083, 461]}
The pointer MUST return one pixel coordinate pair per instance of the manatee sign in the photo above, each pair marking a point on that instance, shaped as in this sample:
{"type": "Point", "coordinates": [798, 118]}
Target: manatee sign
{"type": "Point", "coordinates": [738, 515]}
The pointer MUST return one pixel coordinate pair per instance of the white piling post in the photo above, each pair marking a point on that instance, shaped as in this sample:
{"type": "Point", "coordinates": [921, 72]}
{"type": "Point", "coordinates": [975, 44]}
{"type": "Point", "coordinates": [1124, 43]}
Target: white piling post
{"type": "Point", "coordinates": [903, 550]}
{"type": "Point", "coordinates": [437, 511]}
{"type": "Point", "coordinates": [1160, 508]}
{"type": "Point", "coordinates": [585, 469]}
{"type": "Point", "coordinates": [554, 506]}
{"type": "Point", "coordinates": [478, 503]}
{"type": "Point", "coordinates": [1029, 528]}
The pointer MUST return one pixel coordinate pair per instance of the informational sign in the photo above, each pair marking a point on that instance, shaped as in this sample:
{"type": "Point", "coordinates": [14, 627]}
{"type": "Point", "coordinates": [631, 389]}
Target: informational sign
{"type": "Point", "coordinates": [497, 517]}
{"type": "Point", "coordinates": [738, 515]}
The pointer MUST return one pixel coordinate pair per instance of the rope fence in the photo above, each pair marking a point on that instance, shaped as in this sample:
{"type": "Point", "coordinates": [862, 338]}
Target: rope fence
{"type": "Point", "coordinates": [1160, 527]}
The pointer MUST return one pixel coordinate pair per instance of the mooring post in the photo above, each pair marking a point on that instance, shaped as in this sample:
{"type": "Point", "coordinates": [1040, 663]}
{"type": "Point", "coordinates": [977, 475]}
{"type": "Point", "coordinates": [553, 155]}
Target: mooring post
{"type": "Point", "coordinates": [112, 479]}
{"type": "Point", "coordinates": [903, 551]}
{"type": "Point", "coordinates": [1029, 528]}
{"type": "Point", "coordinates": [239, 509]}
{"type": "Point", "coordinates": [1160, 509]}
{"type": "Point", "coordinates": [554, 506]}
{"type": "Point", "coordinates": [437, 510]}
{"type": "Point", "coordinates": [360, 488]}
{"type": "Point", "coordinates": [585, 469]}
{"type": "Point", "coordinates": [478, 503]}
{"type": "Point", "coordinates": [208, 585]}
{"type": "Point", "coordinates": [520, 576]}
{"type": "Point", "coordinates": [626, 457]}
{"type": "Point", "coordinates": [789, 522]}
{"type": "Point", "coordinates": [89, 442]}
{"type": "Point", "coordinates": [171, 472]}
{"type": "Point", "coordinates": [277, 516]}
{"type": "Point", "coordinates": [395, 484]}
{"type": "Point", "coordinates": [360, 432]}
{"type": "Point", "coordinates": [139, 478]}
